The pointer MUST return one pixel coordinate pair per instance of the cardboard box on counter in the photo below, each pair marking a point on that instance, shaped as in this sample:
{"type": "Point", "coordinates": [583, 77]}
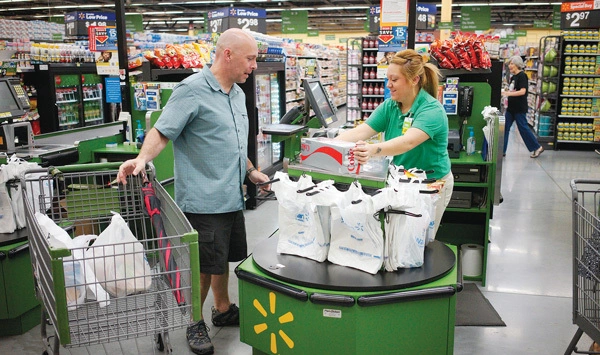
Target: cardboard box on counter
{"type": "Point", "coordinates": [329, 154]}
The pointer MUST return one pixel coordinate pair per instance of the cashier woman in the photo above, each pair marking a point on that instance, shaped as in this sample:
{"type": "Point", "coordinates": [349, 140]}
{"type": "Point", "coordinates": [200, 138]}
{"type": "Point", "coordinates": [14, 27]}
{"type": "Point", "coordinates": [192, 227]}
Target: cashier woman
{"type": "Point", "coordinates": [414, 124]}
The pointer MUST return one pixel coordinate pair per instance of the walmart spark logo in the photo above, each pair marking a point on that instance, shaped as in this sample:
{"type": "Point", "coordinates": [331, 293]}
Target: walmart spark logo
{"type": "Point", "coordinates": [261, 327]}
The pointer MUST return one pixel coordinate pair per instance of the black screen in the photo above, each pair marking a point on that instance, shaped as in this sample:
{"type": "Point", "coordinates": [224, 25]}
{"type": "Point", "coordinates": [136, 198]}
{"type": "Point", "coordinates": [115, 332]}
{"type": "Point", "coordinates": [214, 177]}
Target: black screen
{"type": "Point", "coordinates": [317, 97]}
{"type": "Point", "coordinates": [7, 100]}
{"type": "Point", "coordinates": [21, 134]}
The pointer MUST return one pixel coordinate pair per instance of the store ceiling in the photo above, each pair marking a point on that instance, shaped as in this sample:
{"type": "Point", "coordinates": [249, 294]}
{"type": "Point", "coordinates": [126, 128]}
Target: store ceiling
{"type": "Point", "coordinates": [324, 16]}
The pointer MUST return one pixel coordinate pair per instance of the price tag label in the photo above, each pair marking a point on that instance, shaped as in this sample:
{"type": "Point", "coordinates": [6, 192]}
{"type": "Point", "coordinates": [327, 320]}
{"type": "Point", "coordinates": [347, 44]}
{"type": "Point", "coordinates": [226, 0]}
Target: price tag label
{"type": "Point", "coordinates": [426, 16]}
{"type": "Point", "coordinates": [583, 14]}
{"type": "Point", "coordinates": [247, 24]}
{"type": "Point", "coordinates": [216, 25]}
{"type": "Point", "coordinates": [374, 14]}
{"type": "Point", "coordinates": [234, 17]}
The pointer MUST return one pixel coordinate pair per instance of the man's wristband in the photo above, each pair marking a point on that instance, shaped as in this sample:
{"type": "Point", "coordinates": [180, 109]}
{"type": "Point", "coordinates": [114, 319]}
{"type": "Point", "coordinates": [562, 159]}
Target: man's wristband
{"type": "Point", "coordinates": [249, 171]}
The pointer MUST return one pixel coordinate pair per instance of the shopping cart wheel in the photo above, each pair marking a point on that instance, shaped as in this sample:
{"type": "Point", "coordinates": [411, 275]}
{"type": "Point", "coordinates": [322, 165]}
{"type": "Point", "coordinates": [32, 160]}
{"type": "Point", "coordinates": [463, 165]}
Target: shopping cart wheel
{"type": "Point", "coordinates": [160, 346]}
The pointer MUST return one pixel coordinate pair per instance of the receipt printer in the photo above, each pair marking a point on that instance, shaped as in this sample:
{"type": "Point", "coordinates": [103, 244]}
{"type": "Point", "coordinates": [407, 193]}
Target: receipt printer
{"type": "Point", "coordinates": [453, 143]}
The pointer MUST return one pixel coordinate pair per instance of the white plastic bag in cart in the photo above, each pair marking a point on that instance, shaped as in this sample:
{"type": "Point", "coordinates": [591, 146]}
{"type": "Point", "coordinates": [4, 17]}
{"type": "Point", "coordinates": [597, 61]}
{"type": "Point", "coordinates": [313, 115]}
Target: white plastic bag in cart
{"type": "Point", "coordinates": [7, 217]}
{"type": "Point", "coordinates": [73, 271]}
{"type": "Point", "coordinates": [301, 229]}
{"type": "Point", "coordinates": [119, 260]}
{"type": "Point", "coordinates": [96, 291]}
{"type": "Point", "coordinates": [356, 235]}
{"type": "Point", "coordinates": [15, 167]}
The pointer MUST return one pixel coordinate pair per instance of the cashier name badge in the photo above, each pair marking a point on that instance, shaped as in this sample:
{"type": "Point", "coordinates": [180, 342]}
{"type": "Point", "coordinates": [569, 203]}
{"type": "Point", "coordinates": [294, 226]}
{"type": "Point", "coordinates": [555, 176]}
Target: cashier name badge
{"type": "Point", "coordinates": [332, 313]}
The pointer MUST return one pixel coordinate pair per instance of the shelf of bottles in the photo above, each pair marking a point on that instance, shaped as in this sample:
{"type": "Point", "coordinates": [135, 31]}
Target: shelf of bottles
{"type": "Point", "coordinates": [579, 105]}
{"type": "Point", "coordinates": [92, 104]}
{"type": "Point", "coordinates": [365, 89]}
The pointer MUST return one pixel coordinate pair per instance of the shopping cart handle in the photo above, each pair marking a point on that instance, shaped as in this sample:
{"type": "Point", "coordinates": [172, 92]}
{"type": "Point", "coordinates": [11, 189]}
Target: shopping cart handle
{"type": "Point", "coordinates": [88, 167]}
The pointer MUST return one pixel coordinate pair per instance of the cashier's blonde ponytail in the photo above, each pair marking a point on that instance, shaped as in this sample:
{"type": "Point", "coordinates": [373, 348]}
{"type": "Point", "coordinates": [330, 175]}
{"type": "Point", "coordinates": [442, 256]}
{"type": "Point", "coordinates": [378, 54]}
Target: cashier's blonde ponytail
{"type": "Point", "coordinates": [412, 65]}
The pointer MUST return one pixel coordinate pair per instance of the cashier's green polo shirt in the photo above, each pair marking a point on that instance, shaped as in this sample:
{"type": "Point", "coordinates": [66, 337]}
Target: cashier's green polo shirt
{"type": "Point", "coordinates": [429, 116]}
{"type": "Point", "coordinates": [209, 130]}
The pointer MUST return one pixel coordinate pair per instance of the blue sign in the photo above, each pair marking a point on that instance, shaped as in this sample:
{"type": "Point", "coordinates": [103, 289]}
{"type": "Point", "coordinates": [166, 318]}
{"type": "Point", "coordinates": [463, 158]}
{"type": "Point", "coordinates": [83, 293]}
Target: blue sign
{"type": "Point", "coordinates": [89, 16]}
{"type": "Point", "coordinates": [237, 12]}
{"type": "Point", "coordinates": [393, 38]}
{"type": "Point", "coordinates": [113, 90]}
{"type": "Point", "coordinates": [427, 9]}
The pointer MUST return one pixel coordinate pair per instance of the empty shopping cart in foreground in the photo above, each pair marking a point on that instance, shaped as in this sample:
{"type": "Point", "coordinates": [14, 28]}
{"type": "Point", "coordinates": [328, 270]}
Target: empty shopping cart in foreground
{"type": "Point", "coordinates": [82, 200]}
{"type": "Point", "coordinates": [586, 261]}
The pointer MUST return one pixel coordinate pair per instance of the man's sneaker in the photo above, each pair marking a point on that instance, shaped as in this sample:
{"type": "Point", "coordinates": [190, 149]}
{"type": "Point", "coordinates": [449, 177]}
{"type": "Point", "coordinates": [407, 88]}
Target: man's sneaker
{"type": "Point", "coordinates": [197, 337]}
{"type": "Point", "coordinates": [231, 317]}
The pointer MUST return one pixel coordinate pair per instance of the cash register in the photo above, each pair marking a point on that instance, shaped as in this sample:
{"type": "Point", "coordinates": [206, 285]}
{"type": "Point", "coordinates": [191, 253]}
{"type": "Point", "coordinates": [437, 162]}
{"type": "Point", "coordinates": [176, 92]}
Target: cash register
{"type": "Point", "coordinates": [16, 137]}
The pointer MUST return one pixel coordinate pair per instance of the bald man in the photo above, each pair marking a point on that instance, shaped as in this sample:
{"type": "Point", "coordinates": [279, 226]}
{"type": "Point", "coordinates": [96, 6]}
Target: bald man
{"type": "Point", "coordinates": [207, 121]}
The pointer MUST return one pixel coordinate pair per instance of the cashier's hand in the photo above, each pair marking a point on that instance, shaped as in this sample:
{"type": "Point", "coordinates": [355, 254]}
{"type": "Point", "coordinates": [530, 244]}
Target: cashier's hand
{"type": "Point", "coordinates": [362, 152]}
{"type": "Point", "coordinates": [256, 177]}
{"type": "Point", "coordinates": [131, 167]}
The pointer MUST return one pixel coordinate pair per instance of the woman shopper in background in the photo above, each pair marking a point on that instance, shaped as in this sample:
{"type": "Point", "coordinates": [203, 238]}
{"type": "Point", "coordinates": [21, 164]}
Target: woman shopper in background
{"type": "Point", "coordinates": [517, 107]}
{"type": "Point", "coordinates": [414, 122]}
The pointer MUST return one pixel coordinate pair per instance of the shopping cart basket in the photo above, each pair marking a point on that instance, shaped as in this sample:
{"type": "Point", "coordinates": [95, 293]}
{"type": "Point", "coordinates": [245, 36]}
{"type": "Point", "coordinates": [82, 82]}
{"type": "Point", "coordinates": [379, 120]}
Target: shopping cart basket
{"type": "Point", "coordinates": [81, 199]}
{"type": "Point", "coordinates": [586, 261]}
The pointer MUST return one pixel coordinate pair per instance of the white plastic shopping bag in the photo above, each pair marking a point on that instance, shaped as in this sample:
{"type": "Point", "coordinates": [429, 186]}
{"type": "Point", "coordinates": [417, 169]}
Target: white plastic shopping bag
{"type": "Point", "coordinates": [406, 234]}
{"type": "Point", "coordinates": [96, 291]}
{"type": "Point", "coordinates": [73, 271]}
{"type": "Point", "coordinates": [7, 217]}
{"type": "Point", "coordinates": [356, 235]}
{"type": "Point", "coordinates": [303, 234]}
{"type": "Point", "coordinates": [119, 260]}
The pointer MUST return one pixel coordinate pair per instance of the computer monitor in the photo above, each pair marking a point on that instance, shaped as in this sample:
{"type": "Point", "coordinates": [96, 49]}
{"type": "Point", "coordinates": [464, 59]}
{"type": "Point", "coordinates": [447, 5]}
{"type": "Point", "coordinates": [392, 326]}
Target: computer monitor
{"type": "Point", "coordinates": [9, 104]}
{"type": "Point", "coordinates": [317, 99]}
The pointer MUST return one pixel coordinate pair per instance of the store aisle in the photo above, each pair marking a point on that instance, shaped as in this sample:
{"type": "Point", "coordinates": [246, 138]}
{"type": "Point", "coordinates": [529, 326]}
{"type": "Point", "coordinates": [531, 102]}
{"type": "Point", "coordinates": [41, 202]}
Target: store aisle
{"type": "Point", "coordinates": [529, 266]}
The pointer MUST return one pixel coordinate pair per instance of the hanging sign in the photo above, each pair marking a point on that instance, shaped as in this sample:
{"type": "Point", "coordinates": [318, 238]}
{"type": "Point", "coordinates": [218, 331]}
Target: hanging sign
{"type": "Point", "coordinates": [426, 16]}
{"type": "Point", "coordinates": [582, 14]}
{"type": "Point", "coordinates": [373, 16]}
{"type": "Point", "coordinates": [394, 13]}
{"type": "Point", "coordinates": [102, 38]}
{"type": "Point", "coordinates": [77, 23]}
{"type": "Point", "coordinates": [294, 21]}
{"type": "Point", "coordinates": [393, 38]}
{"type": "Point", "coordinates": [475, 18]}
{"type": "Point", "coordinates": [556, 17]}
{"type": "Point", "coordinates": [235, 17]}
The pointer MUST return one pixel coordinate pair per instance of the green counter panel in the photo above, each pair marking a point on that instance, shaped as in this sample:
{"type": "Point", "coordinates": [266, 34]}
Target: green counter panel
{"type": "Point", "coordinates": [275, 323]}
{"type": "Point", "coordinates": [17, 291]}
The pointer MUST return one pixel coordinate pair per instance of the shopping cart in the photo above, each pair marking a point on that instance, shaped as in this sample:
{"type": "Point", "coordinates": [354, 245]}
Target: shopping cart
{"type": "Point", "coordinates": [81, 199]}
{"type": "Point", "coordinates": [586, 261]}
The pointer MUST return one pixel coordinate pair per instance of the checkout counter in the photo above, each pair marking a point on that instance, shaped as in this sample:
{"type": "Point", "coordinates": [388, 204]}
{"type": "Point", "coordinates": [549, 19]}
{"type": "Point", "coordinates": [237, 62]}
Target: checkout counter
{"type": "Point", "coordinates": [294, 305]}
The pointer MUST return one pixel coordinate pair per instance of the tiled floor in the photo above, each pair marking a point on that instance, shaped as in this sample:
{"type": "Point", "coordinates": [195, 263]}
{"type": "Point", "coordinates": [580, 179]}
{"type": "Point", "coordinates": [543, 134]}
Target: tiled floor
{"type": "Point", "coordinates": [529, 266]}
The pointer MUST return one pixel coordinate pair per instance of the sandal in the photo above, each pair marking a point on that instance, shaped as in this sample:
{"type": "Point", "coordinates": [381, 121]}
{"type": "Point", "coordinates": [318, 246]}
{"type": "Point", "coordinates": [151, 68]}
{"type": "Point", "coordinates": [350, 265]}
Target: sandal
{"type": "Point", "coordinates": [537, 152]}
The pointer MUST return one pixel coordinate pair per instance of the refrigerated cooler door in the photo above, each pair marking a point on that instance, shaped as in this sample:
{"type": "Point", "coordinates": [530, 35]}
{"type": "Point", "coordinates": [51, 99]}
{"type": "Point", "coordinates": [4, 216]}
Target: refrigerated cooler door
{"type": "Point", "coordinates": [264, 156]}
{"type": "Point", "coordinates": [275, 113]}
{"type": "Point", "coordinates": [67, 100]}
{"type": "Point", "coordinates": [92, 91]}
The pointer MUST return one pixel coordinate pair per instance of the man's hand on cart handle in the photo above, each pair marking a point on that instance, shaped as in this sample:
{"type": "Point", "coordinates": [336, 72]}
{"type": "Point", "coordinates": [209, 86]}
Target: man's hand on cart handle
{"type": "Point", "coordinates": [258, 178]}
{"type": "Point", "coordinates": [131, 167]}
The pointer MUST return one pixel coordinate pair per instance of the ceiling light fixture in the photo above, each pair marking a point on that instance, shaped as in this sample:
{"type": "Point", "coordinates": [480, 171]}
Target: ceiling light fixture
{"type": "Point", "coordinates": [162, 12]}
